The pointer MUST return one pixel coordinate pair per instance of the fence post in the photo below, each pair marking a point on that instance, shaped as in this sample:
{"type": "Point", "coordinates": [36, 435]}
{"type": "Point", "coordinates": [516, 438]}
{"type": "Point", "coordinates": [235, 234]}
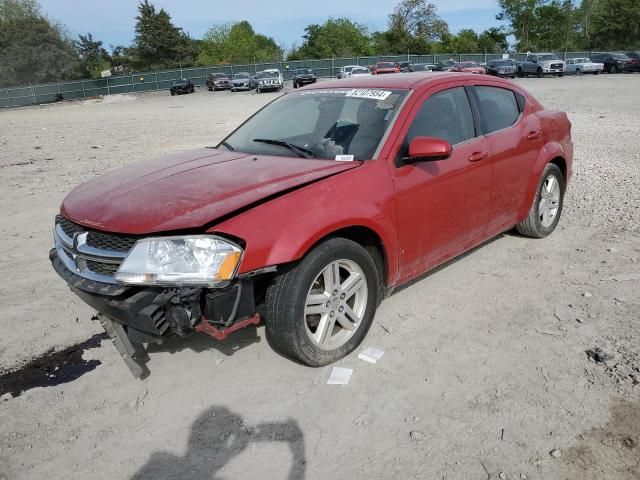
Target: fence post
{"type": "Point", "coordinates": [33, 95]}
{"type": "Point", "coordinates": [108, 87]}
{"type": "Point", "coordinates": [84, 93]}
{"type": "Point", "coordinates": [158, 83]}
{"type": "Point", "coordinates": [133, 85]}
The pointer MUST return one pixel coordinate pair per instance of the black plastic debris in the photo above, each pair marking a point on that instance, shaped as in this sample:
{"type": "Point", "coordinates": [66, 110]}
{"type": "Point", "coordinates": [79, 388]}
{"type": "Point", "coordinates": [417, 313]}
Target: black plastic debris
{"type": "Point", "coordinates": [598, 355]}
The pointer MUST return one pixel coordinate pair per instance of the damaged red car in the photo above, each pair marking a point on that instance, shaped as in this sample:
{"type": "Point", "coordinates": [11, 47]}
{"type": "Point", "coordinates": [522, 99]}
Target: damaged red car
{"type": "Point", "coordinates": [312, 211]}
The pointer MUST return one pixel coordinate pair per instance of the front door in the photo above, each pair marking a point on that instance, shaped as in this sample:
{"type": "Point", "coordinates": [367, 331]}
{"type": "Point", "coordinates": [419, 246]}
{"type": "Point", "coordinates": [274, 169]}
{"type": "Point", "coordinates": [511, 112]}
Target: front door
{"type": "Point", "coordinates": [442, 206]}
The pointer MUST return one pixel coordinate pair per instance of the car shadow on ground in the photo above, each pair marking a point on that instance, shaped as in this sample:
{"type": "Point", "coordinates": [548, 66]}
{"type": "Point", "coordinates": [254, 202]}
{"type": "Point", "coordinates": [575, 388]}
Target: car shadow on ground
{"type": "Point", "coordinates": [200, 342]}
{"type": "Point", "coordinates": [217, 436]}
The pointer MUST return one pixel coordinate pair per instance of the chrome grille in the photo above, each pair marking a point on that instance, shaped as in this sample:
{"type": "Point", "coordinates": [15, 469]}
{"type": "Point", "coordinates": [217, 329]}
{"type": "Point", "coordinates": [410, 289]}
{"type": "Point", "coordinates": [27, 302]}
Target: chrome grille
{"type": "Point", "coordinates": [89, 253]}
{"type": "Point", "coordinates": [556, 65]}
{"type": "Point", "coordinates": [108, 241]}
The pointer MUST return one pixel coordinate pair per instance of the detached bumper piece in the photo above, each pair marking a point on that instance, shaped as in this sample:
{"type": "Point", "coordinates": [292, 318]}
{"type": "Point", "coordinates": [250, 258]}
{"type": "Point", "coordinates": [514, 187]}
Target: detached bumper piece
{"type": "Point", "coordinates": [134, 316]}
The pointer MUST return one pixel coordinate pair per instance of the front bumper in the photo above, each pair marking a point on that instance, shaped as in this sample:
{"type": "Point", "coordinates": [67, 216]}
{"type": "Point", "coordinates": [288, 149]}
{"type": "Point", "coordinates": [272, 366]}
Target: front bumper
{"type": "Point", "coordinates": [150, 313]}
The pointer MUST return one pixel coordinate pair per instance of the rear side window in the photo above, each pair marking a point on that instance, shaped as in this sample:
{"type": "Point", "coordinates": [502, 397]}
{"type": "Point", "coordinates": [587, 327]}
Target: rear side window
{"type": "Point", "coordinates": [498, 108]}
{"type": "Point", "coordinates": [445, 115]}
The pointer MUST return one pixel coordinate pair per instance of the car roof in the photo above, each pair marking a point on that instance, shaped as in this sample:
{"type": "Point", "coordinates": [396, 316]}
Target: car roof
{"type": "Point", "coordinates": [406, 81]}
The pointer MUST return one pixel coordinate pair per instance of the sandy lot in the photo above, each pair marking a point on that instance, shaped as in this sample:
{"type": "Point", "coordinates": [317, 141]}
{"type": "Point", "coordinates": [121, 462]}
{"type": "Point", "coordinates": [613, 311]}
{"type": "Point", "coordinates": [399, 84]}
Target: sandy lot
{"type": "Point", "coordinates": [485, 371]}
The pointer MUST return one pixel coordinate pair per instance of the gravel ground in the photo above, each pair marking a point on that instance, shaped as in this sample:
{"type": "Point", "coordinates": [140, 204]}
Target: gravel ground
{"type": "Point", "coordinates": [485, 372]}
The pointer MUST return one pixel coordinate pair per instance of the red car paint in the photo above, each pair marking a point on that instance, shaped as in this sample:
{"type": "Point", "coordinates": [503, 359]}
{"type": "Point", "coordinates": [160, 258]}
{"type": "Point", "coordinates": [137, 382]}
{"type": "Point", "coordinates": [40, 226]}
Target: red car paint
{"type": "Point", "coordinates": [468, 68]}
{"type": "Point", "coordinates": [423, 214]}
{"type": "Point", "coordinates": [383, 67]}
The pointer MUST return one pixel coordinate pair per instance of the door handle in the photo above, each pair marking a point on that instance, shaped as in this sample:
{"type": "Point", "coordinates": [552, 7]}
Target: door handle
{"type": "Point", "coordinates": [477, 156]}
{"type": "Point", "coordinates": [534, 134]}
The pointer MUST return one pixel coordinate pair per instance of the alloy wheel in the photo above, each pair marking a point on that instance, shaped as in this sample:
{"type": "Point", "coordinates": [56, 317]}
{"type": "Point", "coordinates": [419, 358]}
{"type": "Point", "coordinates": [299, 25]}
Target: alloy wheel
{"type": "Point", "coordinates": [549, 201]}
{"type": "Point", "coordinates": [336, 304]}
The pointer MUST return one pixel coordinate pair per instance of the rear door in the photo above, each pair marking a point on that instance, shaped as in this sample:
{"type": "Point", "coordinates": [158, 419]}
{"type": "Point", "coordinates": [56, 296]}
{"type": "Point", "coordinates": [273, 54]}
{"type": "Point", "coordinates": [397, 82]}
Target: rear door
{"type": "Point", "coordinates": [515, 139]}
{"type": "Point", "coordinates": [442, 206]}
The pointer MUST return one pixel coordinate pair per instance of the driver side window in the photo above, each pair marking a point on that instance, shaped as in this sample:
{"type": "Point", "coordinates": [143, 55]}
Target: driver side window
{"type": "Point", "coordinates": [445, 115]}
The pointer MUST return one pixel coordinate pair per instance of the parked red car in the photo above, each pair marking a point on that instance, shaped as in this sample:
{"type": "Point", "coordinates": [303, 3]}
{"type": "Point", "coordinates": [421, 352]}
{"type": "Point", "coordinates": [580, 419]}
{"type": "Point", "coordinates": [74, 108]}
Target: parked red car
{"type": "Point", "coordinates": [385, 67]}
{"type": "Point", "coordinates": [313, 210]}
{"type": "Point", "coordinates": [468, 67]}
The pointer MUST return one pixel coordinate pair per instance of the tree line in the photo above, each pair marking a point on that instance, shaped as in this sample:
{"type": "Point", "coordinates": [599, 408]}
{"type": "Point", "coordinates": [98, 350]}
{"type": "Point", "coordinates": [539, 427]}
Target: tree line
{"type": "Point", "coordinates": [37, 49]}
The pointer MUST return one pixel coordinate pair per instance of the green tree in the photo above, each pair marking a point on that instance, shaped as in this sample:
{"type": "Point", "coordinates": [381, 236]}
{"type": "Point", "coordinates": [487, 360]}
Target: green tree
{"type": "Point", "coordinates": [93, 56]}
{"type": "Point", "coordinates": [521, 15]}
{"type": "Point", "coordinates": [237, 43]}
{"type": "Point", "coordinates": [158, 43]}
{"type": "Point", "coordinates": [493, 40]}
{"type": "Point", "coordinates": [33, 49]}
{"type": "Point", "coordinates": [338, 37]}
{"type": "Point", "coordinates": [616, 25]}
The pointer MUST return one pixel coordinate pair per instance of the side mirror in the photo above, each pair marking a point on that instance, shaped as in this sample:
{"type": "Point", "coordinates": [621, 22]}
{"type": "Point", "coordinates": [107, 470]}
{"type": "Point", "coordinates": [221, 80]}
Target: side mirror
{"type": "Point", "coordinates": [423, 149]}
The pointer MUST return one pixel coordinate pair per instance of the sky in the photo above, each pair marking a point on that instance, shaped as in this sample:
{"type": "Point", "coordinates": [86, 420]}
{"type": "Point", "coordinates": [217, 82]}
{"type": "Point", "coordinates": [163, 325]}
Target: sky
{"type": "Point", "coordinates": [112, 21]}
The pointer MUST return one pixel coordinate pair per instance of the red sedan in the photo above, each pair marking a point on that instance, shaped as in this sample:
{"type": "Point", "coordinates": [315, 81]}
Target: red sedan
{"type": "Point", "coordinates": [468, 67]}
{"type": "Point", "coordinates": [313, 210]}
{"type": "Point", "coordinates": [385, 67]}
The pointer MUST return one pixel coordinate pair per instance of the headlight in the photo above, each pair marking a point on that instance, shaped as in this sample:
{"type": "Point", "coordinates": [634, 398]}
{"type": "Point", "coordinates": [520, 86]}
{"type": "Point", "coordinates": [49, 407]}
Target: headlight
{"type": "Point", "coordinates": [194, 260]}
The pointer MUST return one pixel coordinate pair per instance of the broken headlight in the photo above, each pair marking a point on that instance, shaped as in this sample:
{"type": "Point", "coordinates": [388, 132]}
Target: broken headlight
{"type": "Point", "coordinates": [195, 260]}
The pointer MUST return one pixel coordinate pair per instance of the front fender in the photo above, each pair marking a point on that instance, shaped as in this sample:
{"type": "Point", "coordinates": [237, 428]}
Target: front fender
{"type": "Point", "coordinates": [283, 229]}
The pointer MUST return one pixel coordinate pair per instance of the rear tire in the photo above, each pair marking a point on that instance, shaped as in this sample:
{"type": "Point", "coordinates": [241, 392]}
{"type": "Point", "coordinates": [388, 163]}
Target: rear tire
{"type": "Point", "coordinates": [578, 71]}
{"type": "Point", "coordinates": [613, 69]}
{"type": "Point", "coordinates": [520, 72]}
{"type": "Point", "coordinates": [296, 311]}
{"type": "Point", "coordinates": [539, 73]}
{"type": "Point", "coordinates": [546, 209]}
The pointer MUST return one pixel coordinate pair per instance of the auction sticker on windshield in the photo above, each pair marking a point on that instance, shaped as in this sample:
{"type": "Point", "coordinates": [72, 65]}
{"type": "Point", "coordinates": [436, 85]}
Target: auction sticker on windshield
{"type": "Point", "coordinates": [368, 93]}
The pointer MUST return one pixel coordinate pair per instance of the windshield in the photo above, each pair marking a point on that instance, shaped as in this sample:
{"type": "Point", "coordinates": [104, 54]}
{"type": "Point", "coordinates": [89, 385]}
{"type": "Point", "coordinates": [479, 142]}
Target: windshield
{"type": "Point", "coordinates": [386, 65]}
{"type": "Point", "coordinates": [218, 75]}
{"type": "Point", "coordinates": [241, 75]}
{"type": "Point", "coordinates": [267, 75]}
{"type": "Point", "coordinates": [303, 70]}
{"type": "Point", "coordinates": [468, 65]}
{"type": "Point", "coordinates": [359, 70]}
{"type": "Point", "coordinates": [548, 56]}
{"type": "Point", "coordinates": [503, 63]}
{"type": "Point", "coordinates": [319, 124]}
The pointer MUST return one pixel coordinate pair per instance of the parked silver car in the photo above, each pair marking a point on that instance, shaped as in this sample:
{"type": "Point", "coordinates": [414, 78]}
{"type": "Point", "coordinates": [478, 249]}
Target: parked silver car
{"type": "Point", "coordinates": [345, 72]}
{"type": "Point", "coordinates": [578, 66]}
{"type": "Point", "coordinates": [359, 72]}
{"type": "Point", "coordinates": [243, 81]}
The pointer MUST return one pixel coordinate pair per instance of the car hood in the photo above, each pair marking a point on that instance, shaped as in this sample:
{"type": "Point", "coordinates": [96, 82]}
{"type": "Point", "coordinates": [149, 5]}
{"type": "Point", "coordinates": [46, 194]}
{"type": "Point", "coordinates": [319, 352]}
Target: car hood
{"type": "Point", "coordinates": [188, 190]}
{"type": "Point", "coordinates": [549, 62]}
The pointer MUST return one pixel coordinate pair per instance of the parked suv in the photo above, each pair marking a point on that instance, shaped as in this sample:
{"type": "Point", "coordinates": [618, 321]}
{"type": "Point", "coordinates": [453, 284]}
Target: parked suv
{"type": "Point", "coordinates": [217, 81]}
{"type": "Point", "coordinates": [635, 57]}
{"type": "Point", "coordinates": [303, 76]}
{"type": "Point", "coordinates": [269, 80]}
{"type": "Point", "coordinates": [243, 81]}
{"type": "Point", "coordinates": [614, 62]}
{"type": "Point", "coordinates": [541, 64]}
{"type": "Point", "coordinates": [181, 86]}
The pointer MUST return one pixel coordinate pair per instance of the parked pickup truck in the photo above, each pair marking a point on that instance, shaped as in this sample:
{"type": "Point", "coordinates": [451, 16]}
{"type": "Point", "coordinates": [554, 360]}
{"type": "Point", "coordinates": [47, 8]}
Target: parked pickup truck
{"type": "Point", "coordinates": [541, 64]}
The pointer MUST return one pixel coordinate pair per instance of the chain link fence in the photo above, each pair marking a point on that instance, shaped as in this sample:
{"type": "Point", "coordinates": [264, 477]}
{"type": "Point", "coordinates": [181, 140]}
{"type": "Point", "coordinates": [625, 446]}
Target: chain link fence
{"type": "Point", "coordinates": [152, 81]}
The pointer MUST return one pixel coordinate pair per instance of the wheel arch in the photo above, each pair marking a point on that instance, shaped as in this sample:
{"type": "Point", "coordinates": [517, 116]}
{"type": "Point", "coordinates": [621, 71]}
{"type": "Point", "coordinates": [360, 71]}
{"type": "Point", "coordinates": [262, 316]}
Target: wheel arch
{"type": "Point", "coordinates": [367, 238]}
{"type": "Point", "coordinates": [551, 153]}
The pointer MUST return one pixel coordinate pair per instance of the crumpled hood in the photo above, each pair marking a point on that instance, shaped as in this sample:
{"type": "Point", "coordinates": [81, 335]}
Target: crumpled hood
{"type": "Point", "coordinates": [188, 190]}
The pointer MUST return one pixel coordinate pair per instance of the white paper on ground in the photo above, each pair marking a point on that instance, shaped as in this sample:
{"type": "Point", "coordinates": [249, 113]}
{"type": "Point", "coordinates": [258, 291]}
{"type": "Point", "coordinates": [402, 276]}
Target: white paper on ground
{"type": "Point", "coordinates": [340, 376]}
{"type": "Point", "coordinates": [371, 354]}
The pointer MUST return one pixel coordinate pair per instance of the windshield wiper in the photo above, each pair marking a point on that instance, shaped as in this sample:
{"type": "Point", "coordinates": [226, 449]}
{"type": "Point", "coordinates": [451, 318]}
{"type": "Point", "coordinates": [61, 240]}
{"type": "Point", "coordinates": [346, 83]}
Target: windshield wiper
{"type": "Point", "coordinates": [225, 144]}
{"type": "Point", "coordinates": [301, 151]}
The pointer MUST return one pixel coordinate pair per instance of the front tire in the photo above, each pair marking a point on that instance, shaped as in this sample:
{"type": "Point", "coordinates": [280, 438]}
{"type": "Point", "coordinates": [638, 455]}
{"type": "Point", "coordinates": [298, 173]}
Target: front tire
{"type": "Point", "coordinates": [320, 309]}
{"type": "Point", "coordinates": [545, 212]}
{"type": "Point", "coordinates": [613, 69]}
{"type": "Point", "coordinates": [539, 73]}
{"type": "Point", "coordinates": [520, 72]}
